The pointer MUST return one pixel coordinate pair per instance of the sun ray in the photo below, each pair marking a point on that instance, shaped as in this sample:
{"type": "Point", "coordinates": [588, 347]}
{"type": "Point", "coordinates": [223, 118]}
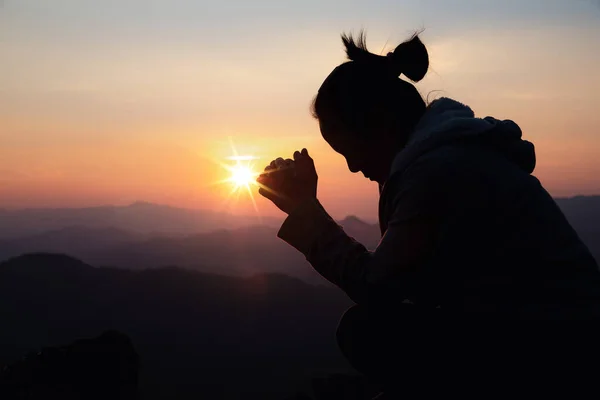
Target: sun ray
{"type": "Point", "coordinates": [253, 202]}
{"type": "Point", "coordinates": [268, 189]}
{"type": "Point", "coordinates": [241, 176]}
{"type": "Point", "coordinates": [233, 149]}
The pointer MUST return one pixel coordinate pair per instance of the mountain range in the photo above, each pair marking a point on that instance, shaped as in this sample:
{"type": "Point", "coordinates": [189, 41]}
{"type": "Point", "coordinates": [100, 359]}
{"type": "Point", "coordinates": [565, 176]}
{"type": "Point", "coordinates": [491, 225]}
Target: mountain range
{"type": "Point", "coordinates": [150, 236]}
{"type": "Point", "coordinates": [198, 335]}
{"type": "Point", "coordinates": [241, 251]}
{"type": "Point", "coordinates": [140, 217]}
{"type": "Point", "coordinates": [220, 311]}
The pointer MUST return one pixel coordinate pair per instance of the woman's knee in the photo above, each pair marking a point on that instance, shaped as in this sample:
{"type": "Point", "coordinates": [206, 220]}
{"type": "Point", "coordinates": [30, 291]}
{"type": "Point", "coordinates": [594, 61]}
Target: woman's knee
{"type": "Point", "coordinates": [350, 325]}
{"type": "Point", "coordinates": [352, 338]}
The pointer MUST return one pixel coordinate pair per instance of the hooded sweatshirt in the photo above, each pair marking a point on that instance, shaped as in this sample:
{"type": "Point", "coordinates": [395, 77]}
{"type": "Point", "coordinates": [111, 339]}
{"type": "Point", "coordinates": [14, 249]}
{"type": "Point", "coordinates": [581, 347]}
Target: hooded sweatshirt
{"type": "Point", "coordinates": [465, 228]}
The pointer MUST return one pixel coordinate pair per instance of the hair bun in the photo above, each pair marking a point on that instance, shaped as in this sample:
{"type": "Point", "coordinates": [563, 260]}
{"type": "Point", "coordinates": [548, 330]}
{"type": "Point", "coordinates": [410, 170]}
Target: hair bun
{"type": "Point", "coordinates": [411, 59]}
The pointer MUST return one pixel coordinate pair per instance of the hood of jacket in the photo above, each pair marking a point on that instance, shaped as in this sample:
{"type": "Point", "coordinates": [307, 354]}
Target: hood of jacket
{"type": "Point", "coordinates": [447, 121]}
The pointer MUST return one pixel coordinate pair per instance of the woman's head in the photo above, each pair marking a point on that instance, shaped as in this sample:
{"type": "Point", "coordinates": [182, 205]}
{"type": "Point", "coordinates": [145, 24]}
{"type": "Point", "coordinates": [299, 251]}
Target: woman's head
{"type": "Point", "coordinates": [365, 111]}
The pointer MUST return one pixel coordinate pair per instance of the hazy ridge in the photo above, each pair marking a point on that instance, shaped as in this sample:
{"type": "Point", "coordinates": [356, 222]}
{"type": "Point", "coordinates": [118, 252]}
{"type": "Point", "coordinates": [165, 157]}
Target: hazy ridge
{"type": "Point", "coordinates": [144, 235]}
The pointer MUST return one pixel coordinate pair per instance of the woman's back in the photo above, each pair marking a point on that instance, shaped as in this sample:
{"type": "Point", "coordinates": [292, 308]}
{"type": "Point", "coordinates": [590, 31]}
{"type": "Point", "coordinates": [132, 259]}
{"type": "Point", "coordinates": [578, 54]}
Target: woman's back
{"type": "Point", "coordinates": [504, 246]}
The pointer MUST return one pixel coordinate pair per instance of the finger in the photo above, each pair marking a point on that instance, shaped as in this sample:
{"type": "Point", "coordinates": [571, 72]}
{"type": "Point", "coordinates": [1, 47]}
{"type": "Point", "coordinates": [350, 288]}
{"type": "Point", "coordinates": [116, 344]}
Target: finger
{"type": "Point", "coordinates": [270, 194]}
{"type": "Point", "coordinates": [273, 164]}
{"type": "Point", "coordinates": [297, 155]}
{"type": "Point", "coordinates": [267, 181]}
{"type": "Point", "coordinates": [307, 156]}
{"type": "Point", "coordinates": [303, 155]}
{"type": "Point", "coordinates": [267, 194]}
{"type": "Point", "coordinates": [304, 159]}
{"type": "Point", "coordinates": [262, 179]}
{"type": "Point", "coordinates": [289, 166]}
{"type": "Point", "coordinates": [280, 162]}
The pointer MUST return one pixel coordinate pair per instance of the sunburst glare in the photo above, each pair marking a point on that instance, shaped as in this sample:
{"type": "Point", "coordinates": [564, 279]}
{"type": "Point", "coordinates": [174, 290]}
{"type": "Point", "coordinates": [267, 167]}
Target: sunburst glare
{"type": "Point", "coordinates": [241, 175]}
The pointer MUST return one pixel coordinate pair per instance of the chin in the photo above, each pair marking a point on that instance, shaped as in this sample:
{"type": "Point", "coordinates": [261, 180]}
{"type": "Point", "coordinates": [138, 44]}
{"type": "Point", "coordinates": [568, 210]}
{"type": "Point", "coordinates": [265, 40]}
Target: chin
{"type": "Point", "coordinates": [369, 176]}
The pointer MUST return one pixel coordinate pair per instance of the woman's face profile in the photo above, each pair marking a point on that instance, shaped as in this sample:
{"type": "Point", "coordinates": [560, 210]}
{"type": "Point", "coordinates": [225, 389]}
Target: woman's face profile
{"type": "Point", "coordinates": [361, 155]}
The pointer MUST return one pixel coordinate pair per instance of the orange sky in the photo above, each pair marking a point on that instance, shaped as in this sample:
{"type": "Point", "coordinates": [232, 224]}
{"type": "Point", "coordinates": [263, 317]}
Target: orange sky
{"type": "Point", "coordinates": [110, 105]}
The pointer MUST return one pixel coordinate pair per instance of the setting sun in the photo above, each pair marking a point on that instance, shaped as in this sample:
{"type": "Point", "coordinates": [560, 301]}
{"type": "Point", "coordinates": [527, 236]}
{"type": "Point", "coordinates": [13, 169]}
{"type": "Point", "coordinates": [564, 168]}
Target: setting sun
{"type": "Point", "coordinates": [242, 175]}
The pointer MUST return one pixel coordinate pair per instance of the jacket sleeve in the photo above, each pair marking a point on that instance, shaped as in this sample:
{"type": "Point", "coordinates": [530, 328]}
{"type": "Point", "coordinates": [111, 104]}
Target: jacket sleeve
{"type": "Point", "coordinates": [368, 276]}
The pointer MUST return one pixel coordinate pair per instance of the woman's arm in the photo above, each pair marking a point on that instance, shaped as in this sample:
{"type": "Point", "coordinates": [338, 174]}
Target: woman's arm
{"type": "Point", "coordinates": [370, 276]}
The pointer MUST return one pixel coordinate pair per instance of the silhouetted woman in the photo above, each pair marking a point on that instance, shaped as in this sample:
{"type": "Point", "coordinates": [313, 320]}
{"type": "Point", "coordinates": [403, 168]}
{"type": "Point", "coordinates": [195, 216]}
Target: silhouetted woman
{"type": "Point", "coordinates": [474, 252]}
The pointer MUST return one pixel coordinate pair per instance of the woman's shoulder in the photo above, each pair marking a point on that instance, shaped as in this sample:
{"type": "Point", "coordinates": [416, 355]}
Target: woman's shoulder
{"type": "Point", "coordinates": [460, 160]}
{"type": "Point", "coordinates": [441, 162]}
{"type": "Point", "coordinates": [454, 170]}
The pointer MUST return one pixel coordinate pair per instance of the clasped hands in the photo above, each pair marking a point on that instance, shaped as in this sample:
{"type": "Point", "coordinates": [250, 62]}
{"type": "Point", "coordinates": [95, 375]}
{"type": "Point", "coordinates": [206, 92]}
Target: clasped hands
{"type": "Point", "coordinates": [288, 183]}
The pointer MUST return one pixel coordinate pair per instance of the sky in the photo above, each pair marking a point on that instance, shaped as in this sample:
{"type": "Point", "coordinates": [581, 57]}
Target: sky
{"type": "Point", "coordinates": [117, 101]}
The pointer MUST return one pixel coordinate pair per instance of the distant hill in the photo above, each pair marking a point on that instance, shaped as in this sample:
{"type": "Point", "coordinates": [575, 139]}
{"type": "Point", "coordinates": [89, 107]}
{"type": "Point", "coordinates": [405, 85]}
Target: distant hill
{"type": "Point", "coordinates": [583, 212]}
{"type": "Point", "coordinates": [241, 251]}
{"type": "Point", "coordinates": [364, 232]}
{"type": "Point", "coordinates": [198, 335]}
{"type": "Point", "coordinates": [238, 252]}
{"type": "Point", "coordinates": [579, 207]}
{"type": "Point", "coordinates": [140, 217]}
{"type": "Point", "coordinates": [76, 240]}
